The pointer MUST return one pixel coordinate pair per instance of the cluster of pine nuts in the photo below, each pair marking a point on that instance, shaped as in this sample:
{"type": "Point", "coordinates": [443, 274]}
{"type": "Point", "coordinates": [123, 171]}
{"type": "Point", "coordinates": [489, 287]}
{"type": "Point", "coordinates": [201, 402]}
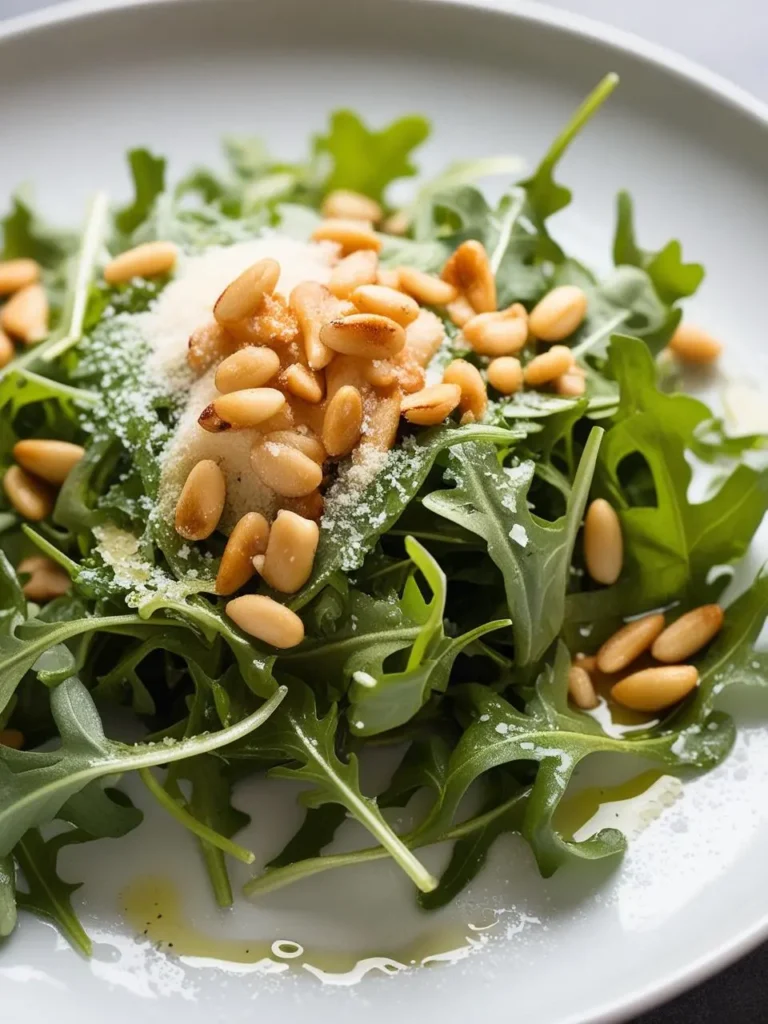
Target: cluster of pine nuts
{"type": "Point", "coordinates": [24, 315]}
{"type": "Point", "coordinates": [657, 687]}
{"type": "Point", "coordinates": [41, 466]}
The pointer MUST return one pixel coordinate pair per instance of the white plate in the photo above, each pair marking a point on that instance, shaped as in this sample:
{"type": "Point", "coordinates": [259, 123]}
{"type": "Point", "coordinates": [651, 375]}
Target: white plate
{"type": "Point", "coordinates": [80, 85]}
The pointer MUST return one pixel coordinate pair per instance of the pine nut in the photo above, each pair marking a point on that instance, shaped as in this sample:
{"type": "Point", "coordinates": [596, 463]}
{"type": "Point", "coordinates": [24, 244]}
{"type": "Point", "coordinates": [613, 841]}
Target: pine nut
{"type": "Point", "coordinates": [548, 366]}
{"type": "Point", "coordinates": [375, 298]}
{"type": "Point", "coordinates": [287, 471]}
{"type": "Point", "coordinates": [207, 345]}
{"type": "Point", "coordinates": [343, 421]}
{"type": "Point", "coordinates": [52, 461]}
{"type": "Point", "coordinates": [460, 311]}
{"type": "Point", "coordinates": [474, 398]}
{"type": "Point", "coordinates": [693, 345]}
{"type": "Point", "coordinates": [496, 334]}
{"type": "Point", "coordinates": [409, 373]}
{"type": "Point", "coordinates": [248, 539]}
{"type": "Point", "coordinates": [350, 235]}
{"type": "Point", "coordinates": [628, 643]}
{"type": "Point", "coordinates": [586, 661]}
{"type": "Point", "coordinates": [389, 277]}
{"type": "Point", "coordinates": [559, 313]}
{"type": "Point", "coordinates": [201, 501]}
{"type": "Point", "coordinates": [346, 370]}
{"type": "Point", "coordinates": [148, 260]}
{"type": "Point", "coordinates": [267, 620]}
{"type": "Point", "coordinates": [17, 274]}
{"type": "Point", "coordinates": [505, 374]}
{"type": "Point", "coordinates": [688, 634]}
{"type": "Point", "coordinates": [571, 385]}
{"type": "Point", "coordinates": [290, 552]}
{"type": "Point", "coordinates": [246, 369]}
{"type": "Point", "coordinates": [348, 205]}
{"type": "Point", "coordinates": [242, 409]}
{"type": "Point", "coordinates": [654, 689]}
{"type": "Point", "coordinates": [603, 542]}
{"type": "Point", "coordinates": [580, 688]}
{"type": "Point", "coordinates": [7, 349]}
{"type": "Point", "coordinates": [241, 298]}
{"type": "Point", "coordinates": [382, 421]}
{"type": "Point", "coordinates": [469, 271]}
{"type": "Point", "coordinates": [12, 738]}
{"type": "Point", "coordinates": [314, 306]}
{"type": "Point", "coordinates": [309, 445]}
{"type": "Point", "coordinates": [364, 334]}
{"type": "Point", "coordinates": [32, 498]}
{"type": "Point", "coordinates": [303, 382]}
{"type": "Point", "coordinates": [46, 580]}
{"type": "Point", "coordinates": [381, 373]}
{"type": "Point", "coordinates": [397, 223]}
{"type": "Point", "coordinates": [310, 506]}
{"type": "Point", "coordinates": [354, 270]}
{"type": "Point", "coordinates": [25, 314]}
{"type": "Point", "coordinates": [426, 288]}
{"type": "Point", "coordinates": [273, 324]}
{"type": "Point", "coordinates": [431, 405]}
{"type": "Point", "coordinates": [424, 336]}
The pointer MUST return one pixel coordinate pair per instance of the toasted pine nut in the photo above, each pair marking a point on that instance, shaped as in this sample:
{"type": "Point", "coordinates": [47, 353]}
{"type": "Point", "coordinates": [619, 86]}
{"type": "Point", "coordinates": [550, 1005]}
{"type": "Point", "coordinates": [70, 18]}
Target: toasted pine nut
{"type": "Point", "coordinates": [381, 373]}
{"type": "Point", "coordinates": [32, 498]}
{"type": "Point", "coordinates": [431, 405]}
{"type": "Point", "coordinates": [148, 260]}
{"type": "Point", "coordinates": [586, 661]}
{"type": "Point", "coordinates": [628, 643]}
{"type": "Point", "coordinates": [364, 334]}
{"type": "Point", "coordinates": [201, 501]}
{"type": "Point", "coordinates": [580, 688]}
{"type": "Point", "coordinates": [688, 634]}
{"type": "Point", "coordinates": [474, 398]}
{"type": "Point", "coordinates": [314, 306]}
{"type": "Point", "coordinates": [303, 382]}
{"type": "Point", "coordinates": [426, 288]}
{"type": "Point", "coordinates": [25, 314]}
{"type": "Point", "coordinates": [248, 538]}
{"type": "Point", "coordinates": [654, 689]}
{"type": "Point", "coordinates": [46, 579]}
{"type": "Point", "coordinates": [286, 470]}
{"type": "Point", "coordinates": [349, 205]}
{"type": "Point", "coordinates": [358, 268]}
{"type": "Point", "coordinates": [17, 274]}
{"type": "Point", "coordinates": [267, 620]}
{"type": "Point", "coordinates": [397, 223]}
{"type": "Point", "coordinates": [207, 345]}
{"type": "Point", "coordinates": [346, 370]}
{"type": "Point", "coordinates": [571, 385]}
{"type": "Point", "coordinates": [409, 373]}
{"type": "Point", "coordinates": [306, 443]}
{"type": "Point", "coordinates": [603, 542]}
{"type": "Point", "coordinates": [469, 270]}
{"type": "Point", "coordinates": [559, 313]}
{"type": "Point", "coordinates": [7, 349]}
{"type": "Point", "coordinates": [273, 324]}
{"type": "Point", "coordinates": [52, 461]}
{"type": "Point", "coordinates": [424, 336]}
{"type": "Point", "coordinates": [310, 506]}
{"type": "Point", "coordinates": [290, 552]}
{"type": "Point", "coordinates": [460, 311]}
{"type": "Point", "coordinates": [693, 345]}
{"type": "Point", "coordinates": [242, 297]}
{"type": "Point", "coordinates": [13, 738]}
{"type": "Point", "coordinates": [382, 421]}
{"type": "Point", "coordinates": [496, 334]}
{"type": "Point", "coordinates": [242, 409]}
{"type": "Point", "coordinates": [249, 368]}
{"type": "Point", "coordinates": [376, 298]}
{"type": "Point", "coordinates": [389, 277]}
{"type": "Point", "coordinates": [548, 366]}
{"type": "Point", "coordinates": [343, 421]}
{"type": "Point", "coordinates": [351, 235]}
{"type": "Point", "coordinates": [505, 374]}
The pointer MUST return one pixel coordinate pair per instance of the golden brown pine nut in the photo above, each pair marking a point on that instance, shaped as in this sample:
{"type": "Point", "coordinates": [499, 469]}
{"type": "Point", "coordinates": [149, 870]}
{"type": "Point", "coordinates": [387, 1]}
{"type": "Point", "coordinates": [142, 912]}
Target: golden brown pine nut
{"type": "Point", "coordinates": [249, 368]}
{"type": "Point", "coordinates": [505, 374]}
{"type": "Point", "coordinates": [7, 350]}
{"type": "Point", "coordinates": [431, 405]}
{"type": "Point", "coordinates": [201, 501]}
{"type": "Point", "coordinates": [424, 336]}
{"type": "Point", "coordinates": [496, 334]}
{"type": "Point", "coordinates": [426, 288]}
{"type": "Point", "coordinates": [290, 552]}
{"type": "Point", "coordinates": [548, 366]}
{"type": "Point", "coordinates": [410, 376]}
{"type": "Point", "coordinates": [693, 345]}
{"type": "Point", "coordinates": [248, 539]}
{"type": "Point", "coordinates": [46, 579]}
{"type": "Point", "coordinates": [559, 313]}
{"type": "Point", "coordinates": [382, 421]}
{"type": "Point", "coordinates": [314, 306]}
{"type": "Point", "coordinates": [17, 274]}
{"type": "Point", "coordinates": [586, 661]}
{"type": "Point", "coordinates": [310, 506]}
{"type": "Point", "coordinates": [580, 688]}
{"type": "Point", "coordinates": [25, 314]}
{"type": "Point", "coordinates": [52, 461]}
{"type": "Point", "coordinates": [343, 421]}
{"type": "Point", "coordinates": [13, 738]}
{"type": "Point", "coordinates": [474, 398]}
{"type": "Point", "coordinates": [688, 634]}
{"type": "Point", "coordinates": [207, 345]}
{"type": "Point", "coordinates": [267, 620]}
{"type": "Point", "coordinates": [306, 443]}
{"type": "Point", "coordinates": [242, 409]}
{"type": "Point", "coordinates": [273, 324]}
{"type": "Point", "coordinates": [381, 373]}
{"type": "Point", "coordinates": [628, 643]}
{"type": "Point", "coordinates": [375, 298]}
{"type": "Point", "coordinates": [460, 311]}
{"type": "Point", "coordinates": [241, 298]}
{"type": "Point", "coordinates": [148, 260]}
{"type": "Point", "coordinates": [303, 382]}
{"type": "Point", "coordinates": [348, 205]}
{"type": "Point", "coordinates": [354, 270]}
{"type": "Point", "coordinates": [365, 335]}
{"type": "Point", "coordinates": [389, 277]}
{"type": "Point", "coordinates": [469, 271]}
{"type": "Point", "coordinates": [286, 470]}
{"type": "Point", "coordinates": [397, 223]}
{"type": "Point", "coordinates": [571, 385]}
{"type": "Point", "coordinates": [654, 689]}
{"type": "Point", "coordinates": [32, 498]}
{"type": "Point", "coordinates": [346, 370]}
{"type": "Point", "coordinates": [350, 235]}
{"type": "Point", "coordinates": [603, 542]}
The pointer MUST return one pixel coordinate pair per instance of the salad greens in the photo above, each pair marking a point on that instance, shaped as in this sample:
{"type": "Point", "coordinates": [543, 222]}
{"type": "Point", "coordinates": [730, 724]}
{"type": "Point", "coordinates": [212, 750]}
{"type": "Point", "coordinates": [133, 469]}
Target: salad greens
{"type": "Point", "coordinates": [446, 601]}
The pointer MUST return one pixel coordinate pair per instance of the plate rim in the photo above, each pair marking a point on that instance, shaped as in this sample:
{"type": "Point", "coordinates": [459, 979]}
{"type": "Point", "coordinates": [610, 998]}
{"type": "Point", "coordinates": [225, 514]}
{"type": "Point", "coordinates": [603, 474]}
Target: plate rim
{"type": "Point", "coordinates": [661, 58]}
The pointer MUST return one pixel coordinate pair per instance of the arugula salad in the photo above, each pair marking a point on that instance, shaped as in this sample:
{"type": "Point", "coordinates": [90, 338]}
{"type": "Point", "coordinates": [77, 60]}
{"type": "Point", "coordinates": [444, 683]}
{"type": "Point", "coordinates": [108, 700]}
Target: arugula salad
{"type": "Point", "coordinates": [291, 474]}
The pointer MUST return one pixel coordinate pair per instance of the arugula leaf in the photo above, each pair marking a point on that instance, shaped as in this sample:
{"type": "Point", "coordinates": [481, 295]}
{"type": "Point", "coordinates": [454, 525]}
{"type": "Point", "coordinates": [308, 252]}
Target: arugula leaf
{"type": "Point", "coordinates": [148, 173]}
{"type": "Point", "coordinates": [423, 766]}
{"type": "Point", "coordinates": [7, 896]}
{"type": "Point", "coordinates": [24, 234]}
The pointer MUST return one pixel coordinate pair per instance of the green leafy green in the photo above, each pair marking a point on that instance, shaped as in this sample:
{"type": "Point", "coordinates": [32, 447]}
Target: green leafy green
{"type": "Point", "coordinates": [148, 173]}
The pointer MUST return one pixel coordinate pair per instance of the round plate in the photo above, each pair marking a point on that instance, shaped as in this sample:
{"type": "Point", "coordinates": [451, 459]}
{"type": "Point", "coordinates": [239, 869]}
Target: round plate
{"type": "Point", "coordinates": [598, 942]}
